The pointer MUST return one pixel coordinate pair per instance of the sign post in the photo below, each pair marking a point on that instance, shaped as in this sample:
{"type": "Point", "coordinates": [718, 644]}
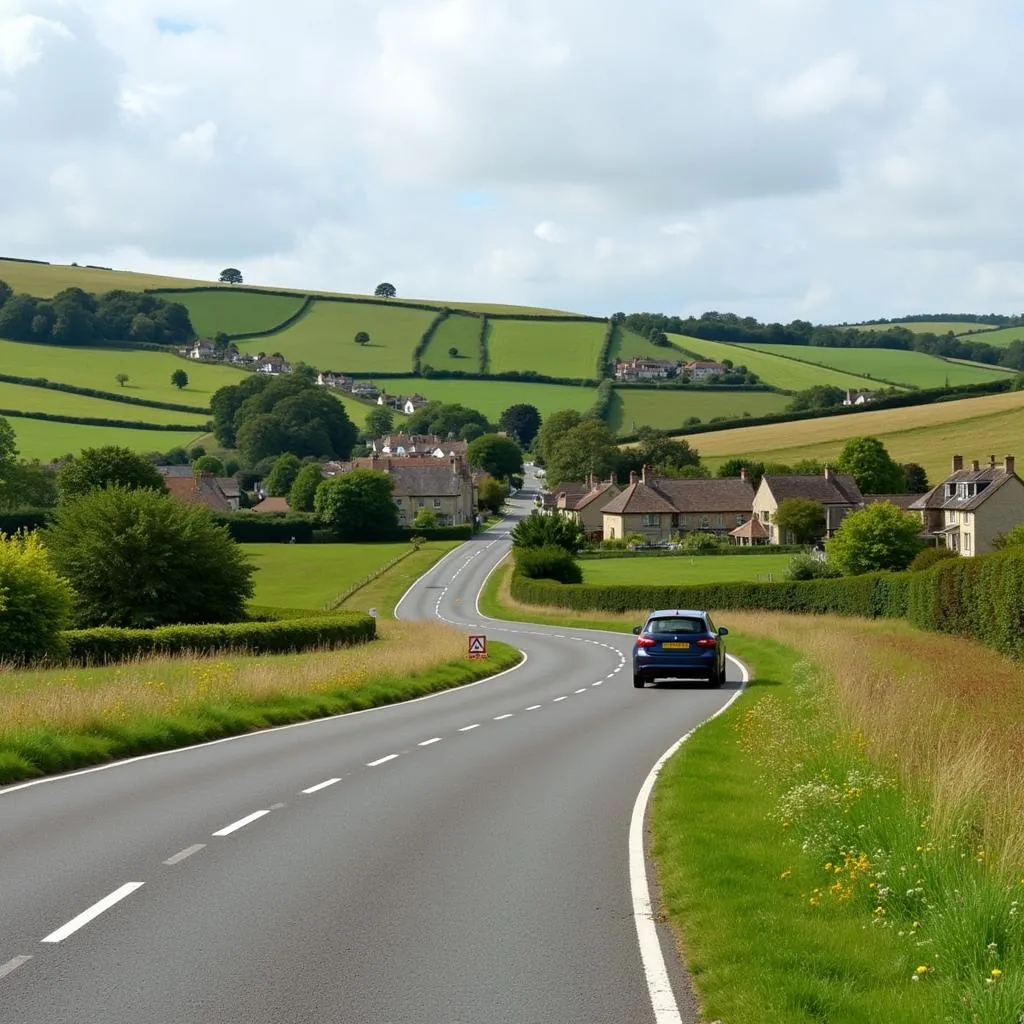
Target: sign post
{"type": "Point", "coordinates": [477, 648]}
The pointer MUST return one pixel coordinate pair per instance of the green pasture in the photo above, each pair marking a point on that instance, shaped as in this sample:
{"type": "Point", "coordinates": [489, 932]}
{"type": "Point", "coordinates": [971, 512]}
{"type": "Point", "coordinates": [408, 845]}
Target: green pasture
{"type": "Point", "coordinates": [324, 337]}
{"type": "Point", "coordinates": [1000, 338]}
{"type": "Point", "coordinates": [46, 280]}
{"type": "Point", "coordinates": [46, 440]}
{"type": "Point", "coordinates": [149, 373]}
{"type": "Point", "coordinates": [493, 397]}
{"type": "Point", "coordinates": [664, 408]}
{"type": "Point", "coordinates": [235, 311]}
{"type": "Point", "coordinates": [357, 408]}
{"type": "Point", "coordinates": [772, 369]}
{"type": "Point", "coordinates": [913, 369]}
{"type": "Point", "coordinates": [928, 327]}
{"type": "Point", "coordinates": [683, 570]}
{"type": "Point", "coordinates": [313, 575]}
{"type": "Point", "coordinates": [28, 399]}
{"type": "Point", "coordinates": [461, 332]}
{"type": "Point", "coordinates": [554, 349]}
{"type": "Point", "coordinates": [628, 344]}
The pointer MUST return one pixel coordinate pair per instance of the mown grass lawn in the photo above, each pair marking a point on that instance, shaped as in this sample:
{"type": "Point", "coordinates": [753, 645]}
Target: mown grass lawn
{"type": "Point", "coordinates": [39, 439]}
{"type": "Point", "coordinates": [914, 369]}
{"type": "Point", "coordinates": [324, 337]}
{"type": "Point", "coordinates": [460, 332]}
{"type": "Point", "coordinates": [234, 311]}
{"type": "Point", "coordinates": [554, 349]}
{"type": "Point", "coordinates": [683, 570]}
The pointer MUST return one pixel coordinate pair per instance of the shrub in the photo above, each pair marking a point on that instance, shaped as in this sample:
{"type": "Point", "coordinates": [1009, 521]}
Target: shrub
{"type": "Point", "coordinates": [106, 645]}
{"type": "Point", "coordinates": [550, 562]}
{"type": "Point", "coordinates": [35, 603]}
{"type": "Point", "coordinates": [266, 527]}
{"type": "Point", "coordinates": [807, 567]}
{"type": "Point", "coordinates": [700, 542]}
{"type": "Point", "coordinates": [931, 556]}
{"type": "Point", "coordinates": [98, 467]}
{"type": "Point", "coordinates": [536, 531]}
{"type": "Point", "coordinates": [139, 558]}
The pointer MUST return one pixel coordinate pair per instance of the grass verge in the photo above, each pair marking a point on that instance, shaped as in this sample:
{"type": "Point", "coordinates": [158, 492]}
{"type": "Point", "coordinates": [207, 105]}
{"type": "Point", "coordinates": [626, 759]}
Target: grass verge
{"type": "Point", "coordinates": [386, 590]}
{"type": "Point", "coordinates": [56, 720]}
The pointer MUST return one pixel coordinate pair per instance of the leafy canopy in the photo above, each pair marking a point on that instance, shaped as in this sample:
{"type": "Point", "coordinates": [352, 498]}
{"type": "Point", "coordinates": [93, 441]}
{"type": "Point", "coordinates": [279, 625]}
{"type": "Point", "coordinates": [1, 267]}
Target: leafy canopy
{"type": "Point", "coordinates": [521, 421]}
{"type": "Point", "coordinates": [358, 505]}
{"type": "Point", "coordinates": [499, 456]}
{"type": "Point", "coordinates": [110, 465]}
{"type": "Point", "coordinates": [870, 464]}
{"type": "Point", "coordinates": [879, 537]}
{"type": "Point", "coordinates": [536, 531]}
{"type": "Point", "coordinates": [302, 495]}
{"type": "Point", "coordinates": [801, 518]}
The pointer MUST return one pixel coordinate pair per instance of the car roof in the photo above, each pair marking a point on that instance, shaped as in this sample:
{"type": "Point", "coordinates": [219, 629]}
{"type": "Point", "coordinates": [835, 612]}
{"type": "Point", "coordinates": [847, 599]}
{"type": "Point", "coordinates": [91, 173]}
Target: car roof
{"type": "Point", "coordinates": [676, 612]}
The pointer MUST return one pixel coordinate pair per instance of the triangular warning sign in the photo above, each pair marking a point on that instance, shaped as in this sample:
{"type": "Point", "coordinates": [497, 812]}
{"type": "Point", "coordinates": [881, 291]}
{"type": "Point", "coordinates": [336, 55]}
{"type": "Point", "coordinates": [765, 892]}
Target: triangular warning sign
{"type": "Point", "coordinates": [478, 645]}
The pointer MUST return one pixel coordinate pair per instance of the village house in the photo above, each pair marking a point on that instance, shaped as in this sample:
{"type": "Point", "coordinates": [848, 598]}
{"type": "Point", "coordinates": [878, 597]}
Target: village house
{"type": "Point", "coordinates": [272, 505]}
{"type": "Point", "coordinates": [364, 389]}
{"type": "Point", "coordinates": [413, 404]}
{"type": "Point", "coordinates": [854, 397]}
{"type": "Point", "coordinates": [659, 508]}
{"type": "Point", "coordinates": [837, 493]}
{"type": "Point", "coordinates": [639, 368]}
{"type": "Point", "coordinates": [586, 505]}
{"type": "Point", "coordinates": [273, 365]}
{"type": "Point", "coordinates": [219, 494]}
{"type": "Point", "coordinates": [202, 348]}
{"type": "Point", "coordinates": [702, 369]}
{"type": "Point", "coordinates": [338, 381]}
{"type": "Point", "coordinates": [400, 445]}
{"type": "Point", "coordinates": [971, 507]}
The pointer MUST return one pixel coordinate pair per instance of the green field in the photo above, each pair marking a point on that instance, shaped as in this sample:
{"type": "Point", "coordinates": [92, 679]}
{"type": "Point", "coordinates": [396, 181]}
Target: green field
{"type": "Point", "coordinates": [913, 369]}
{"type": "Point", "coordinates": [1000, 338]}
{"type": "Point", "coordinates": [628, 344]}
{"type": "Point", "coordinates": [60, 403]}
{"type": "Point", "coordinates": [43, 440]}
{"type": "Point", "coordinates": [556, 350]}
{"type": "Point", "coordinates": [683, 570]}
{"type": "Point", "coordinates": [928, 327]}
{"type": "Point", "coordinates": [323, 337]}
{"type": "Point", "coordinates": [235, 312]}
{"type": "Point", "coordinates": [357, 409]}
{"type": "Point", "coordinates": [772, 369]}
{"type": "Point", "coordinates": [493, 397]}
{"type": "Point", "coordinates": [927, 434]}
{"type": "Point", "coordinates": [149, 372]}
{"type": "Point", "coordinates": [461, 332]}
{"type": "Point", "coordinates": [313, 575]}
{"type": "Point", "coordinates": [664, 409]}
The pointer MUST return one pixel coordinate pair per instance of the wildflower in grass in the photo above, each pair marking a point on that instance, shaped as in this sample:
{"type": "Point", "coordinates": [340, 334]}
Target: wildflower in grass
{"type": "Point", "coordinates": [786, 873]}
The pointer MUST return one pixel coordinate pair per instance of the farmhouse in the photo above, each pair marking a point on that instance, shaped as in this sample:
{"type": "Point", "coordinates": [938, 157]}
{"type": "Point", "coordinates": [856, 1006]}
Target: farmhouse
{"type": "Point", "coordinates": [702, 370]}
{"type": "Point", "coordinates": [657, 508]}
{"type": "Point", "coordinates": [273, 365]}
{"type": "Point", "coordinates": [586, 505]}
{"type": "Point", "coordinates": [854, 397]}
{"type": "Point", "coordinates": [639, 368]}
{"type": "Point", "coordinates": [202, 349]}
{"type": "Point", "coordinates": [837, 493]}
{"type": "Point", "coordinates": [971, 507]}
{"type": "Point", "coordinates": [338, 381]}
{"type": "Point", "coordinates": [219, 494]}
{"type": "Point", "coordinates": [365, 389]}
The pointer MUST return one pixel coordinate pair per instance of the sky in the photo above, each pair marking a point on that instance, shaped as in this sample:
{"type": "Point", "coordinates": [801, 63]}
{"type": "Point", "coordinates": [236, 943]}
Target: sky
{"type": "Point", "coordinates": [813, 159]}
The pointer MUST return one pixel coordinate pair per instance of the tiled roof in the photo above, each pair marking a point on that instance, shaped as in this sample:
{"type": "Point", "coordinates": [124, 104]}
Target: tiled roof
{"type": "Point", "coordinates": [903, 501]}
{"type": "Point", "coordinates": [198, 491]}
{"type": "Point", "coordinates": [272, 505]}
{"type": "Point", "coordinates": [752, 529]}
{"type": "Point", "coordinates": [435, 481]}
{"type": "Point", "coordinates": [728, 495]}
{"type": "Point", "coordinates": [993, 477]}
{"type": "Point", "coordinates": [638, 498]}
{"type": "Point", "coordinates": [835, 489]}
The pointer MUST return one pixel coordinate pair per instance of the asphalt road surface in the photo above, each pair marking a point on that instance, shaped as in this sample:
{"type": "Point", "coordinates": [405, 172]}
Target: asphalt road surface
{"type": "Point", "coordinates": [462, 859]}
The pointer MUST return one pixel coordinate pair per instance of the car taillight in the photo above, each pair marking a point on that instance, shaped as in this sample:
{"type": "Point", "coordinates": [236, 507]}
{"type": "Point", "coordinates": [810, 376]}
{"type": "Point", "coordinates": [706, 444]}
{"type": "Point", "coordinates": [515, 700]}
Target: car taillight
{"type": "Point", "coordinates": [646, 641]}
{"type": "Point", "coordinates": [707, 642]}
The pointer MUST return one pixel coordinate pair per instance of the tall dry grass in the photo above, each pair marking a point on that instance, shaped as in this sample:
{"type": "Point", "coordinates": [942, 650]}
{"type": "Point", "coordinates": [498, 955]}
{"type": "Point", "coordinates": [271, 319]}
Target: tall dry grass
{"type": "Point", "coordinates": [70, 700]}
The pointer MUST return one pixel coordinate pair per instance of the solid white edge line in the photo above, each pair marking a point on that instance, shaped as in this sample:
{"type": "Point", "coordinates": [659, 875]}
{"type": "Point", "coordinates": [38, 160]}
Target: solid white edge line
{"type": "Point", "coordinates": [381, 760]}
{"type": "Point", "coordinates": [12, 965]}
{"type": "Point", "coordinates": [184, 854]}
{"type": "Point", "coordinates": [94, 911]}
{"type": "Point", "coordinates": [320, 785]}
{"type": "Point", "coordinates": [241, 823]}
{"type": "Point", "coordinates": [663, 1000]}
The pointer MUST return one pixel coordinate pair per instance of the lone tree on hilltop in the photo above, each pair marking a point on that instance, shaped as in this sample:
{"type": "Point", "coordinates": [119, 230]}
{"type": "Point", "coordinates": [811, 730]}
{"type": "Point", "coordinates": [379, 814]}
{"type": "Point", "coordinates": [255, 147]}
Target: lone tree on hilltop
{"type": "Point", "coordinates": [230, 275]}
{"type": "Point", "coordinates": [385, 290]}
{"type": "Point", "coordinates": [362, 338]}
{"type": "Point", "coordinates": [453, 352]}
{"type": "Point", "coordinates": [179, 379]}
{"type": "Point", "coordinates": [122, 379]}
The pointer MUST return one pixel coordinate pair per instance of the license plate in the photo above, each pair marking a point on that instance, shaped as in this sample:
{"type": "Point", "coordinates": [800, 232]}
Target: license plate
{"type": "Point", "coordinates": [671, 646]}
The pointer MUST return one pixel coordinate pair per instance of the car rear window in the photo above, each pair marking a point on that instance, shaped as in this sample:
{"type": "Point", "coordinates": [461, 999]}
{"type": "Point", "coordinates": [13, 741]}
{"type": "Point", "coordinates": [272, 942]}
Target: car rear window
{"type": "Point", "coordinates": [676, 624]}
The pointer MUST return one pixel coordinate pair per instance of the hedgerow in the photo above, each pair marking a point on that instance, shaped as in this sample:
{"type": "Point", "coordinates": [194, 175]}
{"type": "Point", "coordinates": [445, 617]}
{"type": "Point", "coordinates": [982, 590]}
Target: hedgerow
{"type": "Point", "coordinates": [107, 396]}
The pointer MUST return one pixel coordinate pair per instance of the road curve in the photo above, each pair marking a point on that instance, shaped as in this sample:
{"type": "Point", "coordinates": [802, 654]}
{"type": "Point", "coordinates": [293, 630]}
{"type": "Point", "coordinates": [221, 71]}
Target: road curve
{"type": "Point", "coordinates": [461, 858]}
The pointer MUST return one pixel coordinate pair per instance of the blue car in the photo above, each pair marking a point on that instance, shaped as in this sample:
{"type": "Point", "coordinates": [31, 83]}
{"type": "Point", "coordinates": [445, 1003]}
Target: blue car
{"type": "Point", "coordinates": [679, 644]}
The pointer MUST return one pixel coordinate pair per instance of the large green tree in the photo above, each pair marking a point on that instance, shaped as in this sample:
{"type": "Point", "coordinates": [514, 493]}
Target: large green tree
{"type": "Point", "coordinates": [110, 465]}
{"type": "Point", "coordinates": [553, 429]}
{"type": "Point", "coordinates": [539, 531]}
{"type": "Point", "coordinates": [35, 602]}
{"type": "Point", "coordinates": [385, 290]}
{"type": "Point", "coordinates": [358, 505]}
{"type": "Point", "coordinates": [27, 485]}
{"type": "Point", "coordinates": [140, 558]}
{"type": "Point", "coordinates": [821, 396]}
{"type": "Point", "coordinates": [870, 464]}
{"type": "Point", "coordinates": [735, 466]}
{"type": "Point", "coordinates": [497, 455]}
{"type": "Point", "coordinates": [880, 536]}
{"type": "Point", "coordinates": [589, 447]}
{"type": "Point", "coordinates": [444, 419]}
{"type": "Point", "coordinates": [208, 464]}
{"type": "Point", "coordinates": [282, 475]}
{"type": "Point", "coordinates": [664, 456]}
{"type": "Point", "coordinates": [379, 422]}
{"type": "Point", "coordinates": [521, 421]}
{"type": "Point", "coordinates": [302, 496]}
{"type": "Point", "coordinates": [801, 519]}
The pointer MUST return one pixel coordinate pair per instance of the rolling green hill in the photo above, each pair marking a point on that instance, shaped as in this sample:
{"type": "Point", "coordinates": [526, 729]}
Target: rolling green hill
{"type": "Point", "coordinates": [493, 397]}
{"type": "Point", "coordinates": [235, 311]}
{"type": "Point", "coordinates": [1000, 338]}
{"type": "Point", "coordinates": [665, 409]}
{"type": "Point", "coordinates": [46, 441]}
{"type": "Point", "coordinates": [458, 331]}
{"type": "Point", "coordinates": [929, 326]}
{"type": "Point", "coordinates": [553, 349]}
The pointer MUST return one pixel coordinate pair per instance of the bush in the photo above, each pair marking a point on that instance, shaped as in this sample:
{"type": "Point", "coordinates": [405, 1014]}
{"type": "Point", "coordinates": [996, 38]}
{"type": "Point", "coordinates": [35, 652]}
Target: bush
{"type": "Point", "coordinates": [699, 543]}
{"type": "Point", "coordinates": [35, 603]}
{"type": "Point", "coordinates": [142, 559]}
{"type": "Point", "coordinates": [99, 467]}
{"type": "Point", "coordinates": [266, 528]}
{"type": "Point", "coordinates": [548, 563]}
{"type": "Point", "coordinates": [536, 531]}
{"type": "Point", "coordinates": [807, 567]}
{"type": "Point", "coordinates": [107, 645]}
{"type": "Point", "coordinates": [931, 556]}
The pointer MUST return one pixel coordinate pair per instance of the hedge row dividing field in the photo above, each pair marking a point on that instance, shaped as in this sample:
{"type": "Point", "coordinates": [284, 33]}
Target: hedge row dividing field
{"type": "Point", "coordinates": [461, 332]}
{"type": "Point", "coordinates": [45, 441]}
{"type": "Point", "coordinates": [28, 399]}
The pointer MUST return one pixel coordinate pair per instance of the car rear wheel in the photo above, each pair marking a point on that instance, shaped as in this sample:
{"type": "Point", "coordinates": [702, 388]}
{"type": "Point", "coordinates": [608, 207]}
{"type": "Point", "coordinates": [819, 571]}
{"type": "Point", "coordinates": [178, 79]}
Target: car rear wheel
{"type": "Point", "coordinates": [718, 677]}
{"type": "Point", "coordinates": [638, 681]}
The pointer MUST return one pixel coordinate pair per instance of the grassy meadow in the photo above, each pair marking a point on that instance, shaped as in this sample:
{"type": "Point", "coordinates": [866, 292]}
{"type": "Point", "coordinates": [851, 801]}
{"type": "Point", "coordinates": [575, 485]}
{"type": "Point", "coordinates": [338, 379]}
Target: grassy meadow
{"type": "Point", "coordinates": [913, 369]}
{"type": "Point", "coordinates": [235, 312]}
{"type": "Point", "coordinates": [493, 397]}
{"type": "Point", "coordinates": [324, 337]}
{"type": "Point", "coordinates": [1000, 338]}
{"type": "Point", "coordinates": [926, 434]}
{"type": "Point", "coordinates": [29, 399]}
{"type": "Point", "coordinates": [772, 369]}
{"type": "Point", "coordinates": [45, 441]}
{"type": "Point", "coordinates": [929, 326]}
{"type": "Point", "coordinates": [683, 570]}
{"type": "Point", "coordinates": [556, 350]}
{"type": "Point", "coordinates": [461, 332]}
{"type": "Point", "coordinates": [628, 344]}
{"type": "Point", "coordinates": [45, 279]}
{"type": "Point", "coordinates": [665, 408]}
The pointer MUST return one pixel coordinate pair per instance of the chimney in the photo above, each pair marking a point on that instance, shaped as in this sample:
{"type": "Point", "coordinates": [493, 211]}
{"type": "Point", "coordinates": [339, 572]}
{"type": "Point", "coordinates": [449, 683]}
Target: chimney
{"type": "Point", "coordinates": [643, 474]}
{"type": "Point", "coordinates": [991, 462]}
{"type": "Point", "coordinates": [975, 466]}
{"type": "Point", "coordinates": [591, 481]}
{"type": "Point", "coordinates": [454, 460]}
{"type": "Point", "coordinates": [743, 473]}
{"type": "Point", "coordinates": [632, 477]}
{"type": "Point", "coordinates": [958, 463]}
{"type": "Point", "coordinates": [1009, 464]}
{"type": "Point", "coordinates": [828, 472]}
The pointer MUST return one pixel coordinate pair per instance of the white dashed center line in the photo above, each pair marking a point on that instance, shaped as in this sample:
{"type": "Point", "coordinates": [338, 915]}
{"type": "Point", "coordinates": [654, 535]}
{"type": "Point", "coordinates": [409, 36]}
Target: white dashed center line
{"type": "Point", "coordinates": [381, 760]}
{"type": "Point", "coordinates": [12, 965]}
{"type": "Point", "coordinates": [557, 699]}
{"type": "Point", "coordinates": [184, 854]}
{"type": "Point", "coordinates": [501, 718]}
{"type": "Point", "coordinates": [241, 823]}
{"type": "Point", "coordinates": [582, 689]}
{"type": "Point", "coordinates": [431, 742]}
{"type": "Point", "coordinates": [468, 728]}
{"type": "Point", "coordinates": [321, 785]}
{"type": "Point", "coordinates": [534, 707]}
{"type": "Point", "coordinates": [94, 911]}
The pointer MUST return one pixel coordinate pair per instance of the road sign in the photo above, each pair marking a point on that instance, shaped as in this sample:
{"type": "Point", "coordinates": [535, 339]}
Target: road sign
{"type": "Point", "coordinates": [477, 647]}
{"type": "Point", "coordinates": [373, 612]}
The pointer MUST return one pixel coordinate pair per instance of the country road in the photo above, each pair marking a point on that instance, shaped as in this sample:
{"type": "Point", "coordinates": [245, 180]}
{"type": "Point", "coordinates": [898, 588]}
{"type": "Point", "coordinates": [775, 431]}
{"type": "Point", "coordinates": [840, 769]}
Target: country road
{"type": "Point", "coordinates": [461, 859]}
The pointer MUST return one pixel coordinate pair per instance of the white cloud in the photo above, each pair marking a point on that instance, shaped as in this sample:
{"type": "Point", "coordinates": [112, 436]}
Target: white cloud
{"type": "Point", "coordinates": [823, 87]}
{"type": "Point", "coordinates": [549, 231]}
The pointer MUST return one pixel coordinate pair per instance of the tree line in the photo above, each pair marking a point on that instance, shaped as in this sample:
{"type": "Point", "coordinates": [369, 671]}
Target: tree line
{"type": "Point", "coordinates": [76, 317]}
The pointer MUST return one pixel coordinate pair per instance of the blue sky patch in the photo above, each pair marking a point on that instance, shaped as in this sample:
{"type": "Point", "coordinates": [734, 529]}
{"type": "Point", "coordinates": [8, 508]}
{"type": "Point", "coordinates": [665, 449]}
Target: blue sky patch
{"type": "Point", "coordinates": [175, 26]}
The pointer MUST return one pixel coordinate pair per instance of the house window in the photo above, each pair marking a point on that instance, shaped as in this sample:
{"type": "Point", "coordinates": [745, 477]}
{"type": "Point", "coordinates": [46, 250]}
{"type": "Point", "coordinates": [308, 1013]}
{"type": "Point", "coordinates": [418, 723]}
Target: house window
{"type": "Point", "coordinates": [421, 503]}
{"type": "Point", "coordinates": [720, 520]}
{"type": "Point", "coordinates": [765, 516]}
{"type": "Point", "coordinates": [967, 543]}
{"type": "Point", "coordinates": [705, 523]}
{"type": "Point", "coordinates": [682, 524]}
{"type": "Point", "coordinates": [740, 519]}
{"type": "Point", "coordinates": [437, 503]}
{"type": "Point", "coordinates": [652, 520]}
